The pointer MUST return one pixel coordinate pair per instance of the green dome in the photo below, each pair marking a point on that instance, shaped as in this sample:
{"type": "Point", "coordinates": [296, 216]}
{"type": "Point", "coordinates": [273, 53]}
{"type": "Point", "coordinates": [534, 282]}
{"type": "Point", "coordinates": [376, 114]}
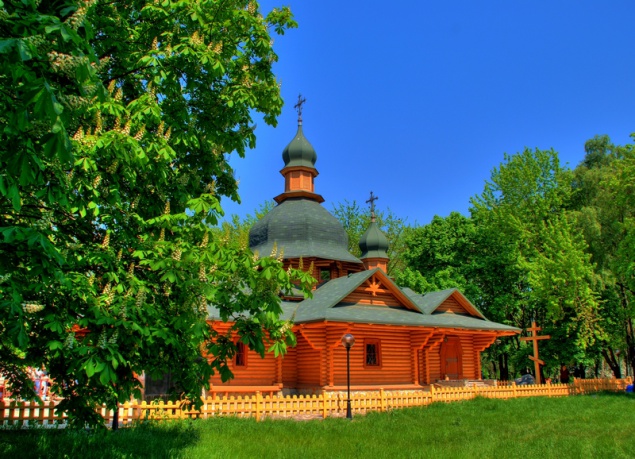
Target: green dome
{"type": "Point", "coordinates": [373, 243]}
{"type": "Point", "coordinates": [302, 228]}
{"type": "Point", "coordinates": [299, 152]}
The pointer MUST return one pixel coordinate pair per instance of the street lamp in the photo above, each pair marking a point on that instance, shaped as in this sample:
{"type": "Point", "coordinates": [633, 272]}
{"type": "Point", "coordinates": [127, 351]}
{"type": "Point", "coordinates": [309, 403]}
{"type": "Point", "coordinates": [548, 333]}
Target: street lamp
{"type": "Point", "coordinates": [347, 341]}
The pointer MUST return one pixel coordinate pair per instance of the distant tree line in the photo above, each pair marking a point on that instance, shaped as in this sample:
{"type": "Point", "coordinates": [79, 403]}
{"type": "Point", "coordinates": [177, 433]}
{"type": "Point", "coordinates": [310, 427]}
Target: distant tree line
{"type": "Point", "coordinates": [547, 243]}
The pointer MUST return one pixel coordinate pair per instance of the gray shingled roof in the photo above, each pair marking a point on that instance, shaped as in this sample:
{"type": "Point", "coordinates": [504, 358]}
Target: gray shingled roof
{"type": "Point", "coordinates": [303, 228]}
{"type": "Point", "coordinates": [327, 304]}
{"type": "Point", "coordinates": [429, 302]}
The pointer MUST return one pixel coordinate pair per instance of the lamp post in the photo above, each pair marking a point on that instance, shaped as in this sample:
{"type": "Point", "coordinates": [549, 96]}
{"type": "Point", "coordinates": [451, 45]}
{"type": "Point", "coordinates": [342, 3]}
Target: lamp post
{"type": "Point", "coordinates": [347, 341]}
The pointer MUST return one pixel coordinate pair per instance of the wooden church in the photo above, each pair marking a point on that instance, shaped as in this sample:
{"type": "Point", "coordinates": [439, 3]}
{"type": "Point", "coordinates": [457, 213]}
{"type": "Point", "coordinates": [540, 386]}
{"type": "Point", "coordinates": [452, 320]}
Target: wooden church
{"type": "Point", "coordinates": [403, 340]}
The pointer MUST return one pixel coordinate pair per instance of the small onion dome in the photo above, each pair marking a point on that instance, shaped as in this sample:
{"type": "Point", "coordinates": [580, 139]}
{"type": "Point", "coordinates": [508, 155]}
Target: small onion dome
{"type": "Point", "coordinates": [299, 152]}
{"type": "Point", "coordinates": [373, 243]}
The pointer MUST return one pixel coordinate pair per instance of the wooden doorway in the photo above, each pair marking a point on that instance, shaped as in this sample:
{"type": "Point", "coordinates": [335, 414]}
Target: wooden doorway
{"type": "Point", "coordinates": [451, 358]}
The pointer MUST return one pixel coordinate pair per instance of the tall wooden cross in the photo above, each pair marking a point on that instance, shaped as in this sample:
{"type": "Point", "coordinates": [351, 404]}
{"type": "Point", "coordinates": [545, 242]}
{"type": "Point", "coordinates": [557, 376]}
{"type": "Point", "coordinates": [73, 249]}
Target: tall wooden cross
{"type": "Point", "coordinates": [372, 205]}
{"type": "Point", "coordinates": [298, 106]}
{"type": "Point", "coordinates": [534, 337]}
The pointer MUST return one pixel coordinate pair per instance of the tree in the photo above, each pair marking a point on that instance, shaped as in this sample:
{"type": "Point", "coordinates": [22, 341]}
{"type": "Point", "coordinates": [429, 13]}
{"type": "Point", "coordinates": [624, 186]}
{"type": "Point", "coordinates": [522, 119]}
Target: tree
{"type": "Point", "coordinates": [118, 121]}
{"type": "Point", "coordinates": [525, 209]}
{"type": "Point", "coordinates": [355, 221]}
{"type": "Point", "coordinates": [605, 209]}
{"type": "Point", "coordinates": [439, 255]}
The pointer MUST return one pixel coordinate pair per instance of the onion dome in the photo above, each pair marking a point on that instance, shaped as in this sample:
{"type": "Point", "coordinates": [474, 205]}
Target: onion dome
{"type": "Point", "coordinates": [301, 228]}
{"type": "Point", "coordinates": [373, 243]}
{"type": "Point", "coordinates": [299, 152]}
{"type": "Point", "coordinates": [299, 167]}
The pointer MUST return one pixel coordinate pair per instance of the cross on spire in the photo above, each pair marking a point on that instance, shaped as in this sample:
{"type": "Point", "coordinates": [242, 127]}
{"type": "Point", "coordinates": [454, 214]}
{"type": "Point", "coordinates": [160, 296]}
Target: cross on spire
{"type": "Point", "coordinates": [371, 201]}
{"type": "Point", "coordinates": [298, 107]}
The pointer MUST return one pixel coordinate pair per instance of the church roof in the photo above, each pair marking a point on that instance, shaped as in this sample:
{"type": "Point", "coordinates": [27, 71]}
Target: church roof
{"type": "Point", "coordinates": [302, 228]}
{"type": "Point", "coordinates": [373, 243]}
{"type": "Point", "coordinates": [299, 152]}
{"type": "Point", "coordinates": [329, 304]}
{"type": "Point", "coordinates": [429, 302]}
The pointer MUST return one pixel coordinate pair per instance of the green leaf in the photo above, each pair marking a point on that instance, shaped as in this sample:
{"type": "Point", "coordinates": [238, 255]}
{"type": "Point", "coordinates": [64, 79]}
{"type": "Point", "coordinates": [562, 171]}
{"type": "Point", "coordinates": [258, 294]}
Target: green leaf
{"type": "Point", "coordinates": [53, 345]}
{"type": "Point", "coordinates": [105, 376]}
{"type": "Point", "coordinates": [23, 50]}
{"type": "Point", "coordinates": [7, 44]}
{"type": "Point", "coordinates": [89, 367]}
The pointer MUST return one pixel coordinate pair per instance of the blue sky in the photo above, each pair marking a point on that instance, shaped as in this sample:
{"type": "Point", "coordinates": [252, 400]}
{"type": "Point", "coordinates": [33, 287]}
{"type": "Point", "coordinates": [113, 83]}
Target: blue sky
{"type": "Point", "coordinates": [418, 101]}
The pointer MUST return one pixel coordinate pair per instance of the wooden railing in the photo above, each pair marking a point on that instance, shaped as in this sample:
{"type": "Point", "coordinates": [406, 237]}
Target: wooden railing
{"type": "Point", "coordinates": [301, 406]}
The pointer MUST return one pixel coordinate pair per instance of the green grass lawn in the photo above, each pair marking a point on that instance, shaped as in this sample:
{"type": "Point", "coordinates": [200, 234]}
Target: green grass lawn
{"type": "Point", "coordinates": [592, 426]}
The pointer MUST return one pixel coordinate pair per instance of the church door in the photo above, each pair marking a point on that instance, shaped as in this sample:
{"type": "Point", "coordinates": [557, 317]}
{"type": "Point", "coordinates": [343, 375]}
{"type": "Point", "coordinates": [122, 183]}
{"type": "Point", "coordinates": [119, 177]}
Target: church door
{"type": "Point", "coordinates": [451, 361]}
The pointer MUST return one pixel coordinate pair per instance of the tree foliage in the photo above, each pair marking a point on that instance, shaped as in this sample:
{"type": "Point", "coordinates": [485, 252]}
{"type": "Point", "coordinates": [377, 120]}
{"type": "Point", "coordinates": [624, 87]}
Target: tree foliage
{"type": "Point", "coordinates": [605, 210]}
{"type": "Point", "coordinates": [439, 255]}
{"type": "Point", "coordinates": [519, 257]}
{"type": "Point", "coordinates": [118, 119]}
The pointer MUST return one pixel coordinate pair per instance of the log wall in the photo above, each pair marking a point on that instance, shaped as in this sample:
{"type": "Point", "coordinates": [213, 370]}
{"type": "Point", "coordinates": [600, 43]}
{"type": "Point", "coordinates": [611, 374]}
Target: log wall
{"type": "Point", "coordinates": [433, 359]}
{"type": "Point", "coordinates": [290, 367]}
{"type": "Point", "coordinates": [407, 356]}
{"type": "Point", "coordinates": [452, 305]}
{"type": "Point", "coordinates": [257, 372]}
{"type": "Point", "coordinates": [310, 357]}
{"type": "Point", "coordinates": [395, 359]}
{"type": "Point", "coordinates": [470, 366]}
{"type": "Point", "coordinates": [362, 297]}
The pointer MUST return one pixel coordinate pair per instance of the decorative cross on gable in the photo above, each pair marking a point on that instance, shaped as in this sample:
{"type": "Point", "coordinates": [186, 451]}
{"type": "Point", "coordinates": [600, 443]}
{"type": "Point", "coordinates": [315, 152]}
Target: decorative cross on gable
{"type": "Point", "coordinates": [298, 106]}
{"type": "Point", "coordinates": [534, 337]}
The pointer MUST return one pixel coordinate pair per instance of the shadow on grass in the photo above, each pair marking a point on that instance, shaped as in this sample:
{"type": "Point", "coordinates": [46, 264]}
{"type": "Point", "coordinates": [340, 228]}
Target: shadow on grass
{"type": "Point", "coordinates": [148, 440]}
{"type": "Point", "coordinates": [609, 394]}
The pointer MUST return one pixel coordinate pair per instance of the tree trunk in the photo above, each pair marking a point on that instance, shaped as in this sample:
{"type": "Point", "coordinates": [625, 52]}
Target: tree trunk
{"type": "Point", "coordinates": [630, 345]}
{"type": "Point", "coordinates": [502, 364]}
{"type": "Point", "coordinates": [628, 326]}
{"type": "Point", "coordinates": [115, 417]}
{"type": "Point", "coordinates": [613, 362]}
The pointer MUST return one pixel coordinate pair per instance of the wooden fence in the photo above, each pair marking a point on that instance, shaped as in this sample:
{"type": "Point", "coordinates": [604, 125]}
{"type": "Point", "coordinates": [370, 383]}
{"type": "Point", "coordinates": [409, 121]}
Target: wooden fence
{"type": "Point", "coordinates": [301, 406]}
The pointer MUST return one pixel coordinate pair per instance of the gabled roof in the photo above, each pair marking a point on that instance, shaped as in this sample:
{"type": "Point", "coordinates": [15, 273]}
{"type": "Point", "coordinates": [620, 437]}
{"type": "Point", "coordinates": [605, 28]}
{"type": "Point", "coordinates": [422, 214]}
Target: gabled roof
{"type": "Point", "coordinates": [429, 302]}
{"type": "Point", "coordinates": [332, 293]}
{"type": "Point", "coordinates": [418, 310]}
{"type": "Point", "coordinates": [329, 304]}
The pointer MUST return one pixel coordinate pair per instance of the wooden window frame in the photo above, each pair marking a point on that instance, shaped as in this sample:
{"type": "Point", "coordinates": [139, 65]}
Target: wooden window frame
{"type": "Point", "coordinates": [372, 342]}
{"type": "Point", "coordinates": [241, 350]}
